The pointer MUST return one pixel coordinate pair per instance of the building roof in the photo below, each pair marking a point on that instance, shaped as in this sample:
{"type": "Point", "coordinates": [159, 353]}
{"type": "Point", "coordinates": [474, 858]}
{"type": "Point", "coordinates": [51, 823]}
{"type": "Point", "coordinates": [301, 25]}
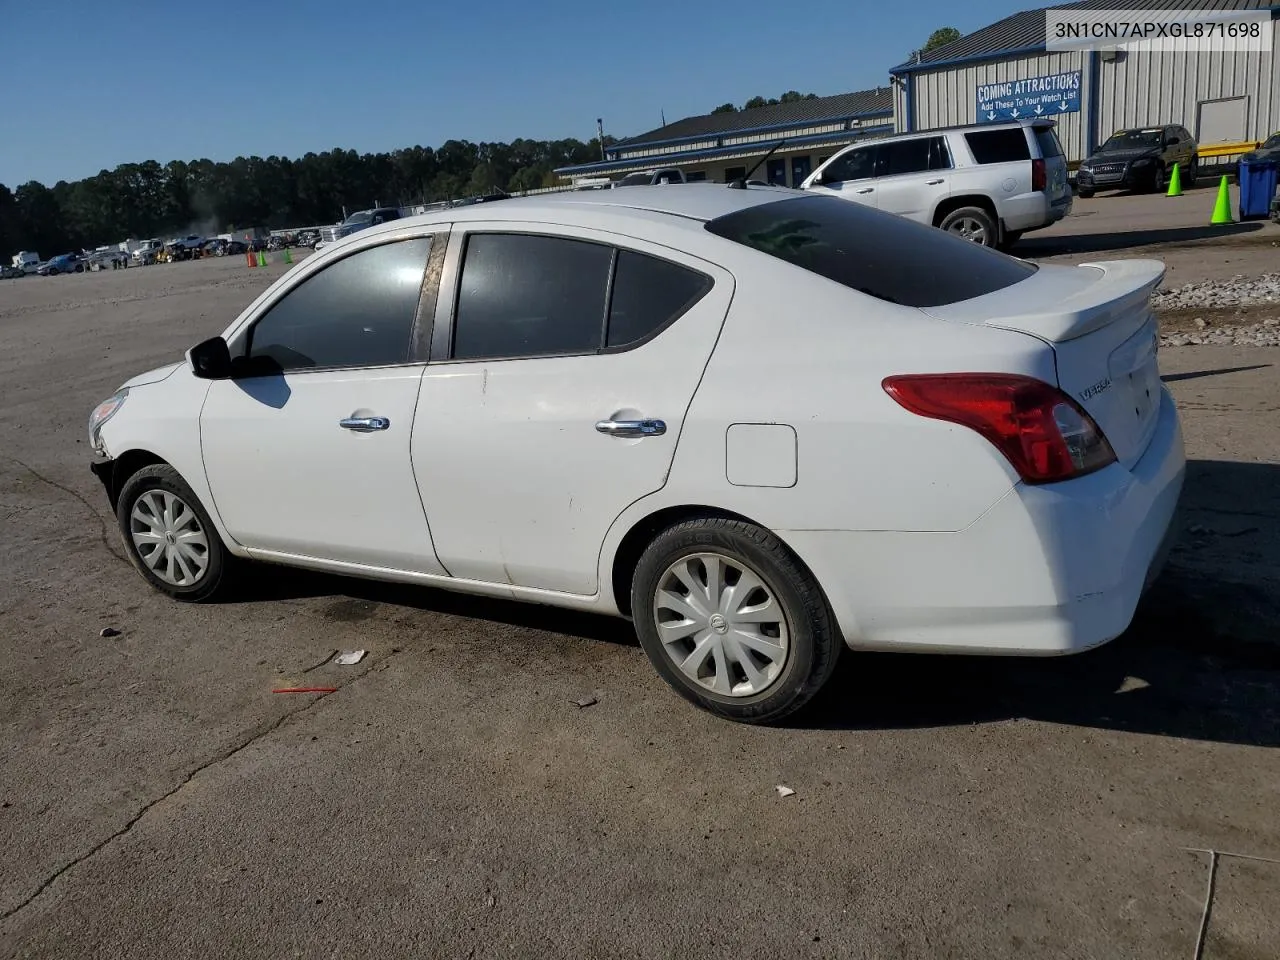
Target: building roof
{"type": "Point", "coordinates": [1026, 31]}
{"type": "Point", "coordinates": [859, 103]}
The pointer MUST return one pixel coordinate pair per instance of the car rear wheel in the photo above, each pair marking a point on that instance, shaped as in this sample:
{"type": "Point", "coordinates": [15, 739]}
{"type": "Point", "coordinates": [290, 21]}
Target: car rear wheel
{"type": "Point", "coordinates": [971, 223]}
{"type": "Point", "coordinates": [169, 536]}
{"type": "Point", "coordinates": [1084, 194]}
{"type": "Point", "coordinates": [732, 620]}
{"type": "Point", "coordinates": [79, 268]}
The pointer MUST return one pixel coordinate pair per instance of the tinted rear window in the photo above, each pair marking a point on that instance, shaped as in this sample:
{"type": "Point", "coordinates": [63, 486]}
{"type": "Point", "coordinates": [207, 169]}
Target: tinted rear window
{"type": "Point", "coordinates": [879, 254]}
{"type": "Point", "coordinates": [1048, 140]}
{"type": "Point", "coordinates": [999, 146]}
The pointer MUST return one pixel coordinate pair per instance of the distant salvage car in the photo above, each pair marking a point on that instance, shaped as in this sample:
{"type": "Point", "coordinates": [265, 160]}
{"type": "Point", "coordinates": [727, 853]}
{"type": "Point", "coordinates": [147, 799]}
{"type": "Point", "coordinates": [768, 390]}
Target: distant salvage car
{"type": "Point", "coordinates": [989, 183]}
{"type": "Point", "coordinates": [65, 263]}
{"type": "Point", "coordinates": [1140, 159]}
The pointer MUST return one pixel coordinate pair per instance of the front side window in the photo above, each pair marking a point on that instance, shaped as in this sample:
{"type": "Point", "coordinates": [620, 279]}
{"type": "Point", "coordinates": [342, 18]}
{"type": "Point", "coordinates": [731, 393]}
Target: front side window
{"type": "Point", "coordinates": [854, 165]}
{"type": "Point", "coordinates": [537, 296]}
{"type": "Point", "coordinates": [357, 312]}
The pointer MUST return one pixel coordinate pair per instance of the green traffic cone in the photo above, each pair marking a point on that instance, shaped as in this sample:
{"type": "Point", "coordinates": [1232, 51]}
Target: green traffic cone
{"type": "Point", "coordinates": [1175, 182]}
{"type": "Point", "coordinates": [1222, 209]}
{"type": "Point", "coordinates": [288, 255]}
{"type": "Point", "coordinates": [262, 259]}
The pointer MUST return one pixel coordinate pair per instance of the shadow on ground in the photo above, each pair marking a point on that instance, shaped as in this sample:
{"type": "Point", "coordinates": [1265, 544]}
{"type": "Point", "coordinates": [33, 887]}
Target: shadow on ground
{"type": "Point", "coordinates": [1201, 659]}
{"type": "Point", "coordinates": [1034, 245]}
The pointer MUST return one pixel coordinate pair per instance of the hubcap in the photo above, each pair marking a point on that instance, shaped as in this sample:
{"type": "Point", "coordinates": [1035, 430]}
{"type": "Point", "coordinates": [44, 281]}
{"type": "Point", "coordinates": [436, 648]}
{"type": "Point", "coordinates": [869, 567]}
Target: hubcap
{"type": "Point", "coordinates": [168, 537]}
{"type": "Point", "coordinates": [970, 229]}
{"type": "Point", "coordinates": [721, 624]}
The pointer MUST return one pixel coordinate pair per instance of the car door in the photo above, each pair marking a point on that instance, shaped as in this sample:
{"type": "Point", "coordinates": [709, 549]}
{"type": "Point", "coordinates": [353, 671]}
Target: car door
{"type": "Point", "coordinates": [849, 175]}
{"type": "Point", "coordinates": [307, 447]}
{"type": "Point", "coordinates": [561, 373]}
{"type": "Point", "coordinates": [913, 177]}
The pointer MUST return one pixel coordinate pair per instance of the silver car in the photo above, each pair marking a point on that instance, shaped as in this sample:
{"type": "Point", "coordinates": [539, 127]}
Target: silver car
{"type": "Point", "coordinates": [989, 183]}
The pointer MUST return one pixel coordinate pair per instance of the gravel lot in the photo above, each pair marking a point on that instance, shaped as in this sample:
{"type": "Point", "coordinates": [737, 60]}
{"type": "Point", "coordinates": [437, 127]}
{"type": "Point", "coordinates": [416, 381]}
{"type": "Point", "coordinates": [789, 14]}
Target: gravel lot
{"type": "Point", "coordinates": [450, 800]}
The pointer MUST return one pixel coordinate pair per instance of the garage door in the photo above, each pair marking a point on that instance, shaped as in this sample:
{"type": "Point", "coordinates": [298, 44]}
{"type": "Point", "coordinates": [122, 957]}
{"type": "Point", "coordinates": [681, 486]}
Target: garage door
{"type": "Point", "coordinates": [1222, 121]}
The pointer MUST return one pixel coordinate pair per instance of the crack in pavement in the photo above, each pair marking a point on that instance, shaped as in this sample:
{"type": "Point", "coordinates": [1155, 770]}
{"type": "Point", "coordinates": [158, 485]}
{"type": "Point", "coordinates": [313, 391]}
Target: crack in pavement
{"type": "Point", "coordinates": [271, 728]}
{"type": "Point", "coordinates": [102, 524]}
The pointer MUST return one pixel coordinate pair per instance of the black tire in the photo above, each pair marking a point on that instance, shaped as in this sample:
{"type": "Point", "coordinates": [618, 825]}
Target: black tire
{"type": "Point", "coordinates": [814, 641]}
{"type": "Point", "coordinates": [1084, 194]}
{"type": "Point", "coordinates": [1159, 180]}
{"type": "Point", "coordinates": [1192, 174]}
{"type": "Point", "coordinates": [52, 272]}
{"type": "Point", "coordinates": [79, 268]}
{"type": "Point", "coordinates": [974, 215]}
{"type": "Point", "coordinates": [217, 575]}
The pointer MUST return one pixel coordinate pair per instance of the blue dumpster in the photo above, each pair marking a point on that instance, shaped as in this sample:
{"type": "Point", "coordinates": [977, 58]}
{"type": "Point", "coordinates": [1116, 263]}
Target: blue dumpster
{"type": "Point", "coordinates": [1257, 187]}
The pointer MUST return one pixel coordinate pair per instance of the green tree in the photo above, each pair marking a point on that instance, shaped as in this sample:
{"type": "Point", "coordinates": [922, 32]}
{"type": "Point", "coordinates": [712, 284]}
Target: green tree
{"type": "Point", "coordinates": [725, 108]}
{"type": "Point", "coordinates": [940, 38]}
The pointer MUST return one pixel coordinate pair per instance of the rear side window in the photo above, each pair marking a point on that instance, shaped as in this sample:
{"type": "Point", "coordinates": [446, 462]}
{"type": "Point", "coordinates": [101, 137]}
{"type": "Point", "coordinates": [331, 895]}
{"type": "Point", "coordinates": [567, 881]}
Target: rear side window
{"type": "Point", "coordinates": [912, 156]}
{"type": "Point", "coordinates": [648, 294]}
{"type": "Point", "coordinates": [1048, 141]}
{"type": "Point", "coordinates": [539, 296]}
{"type": "Point", "coordinates": [357, 312]}
{"type": "Point", "coordinates": [524, 296]}
{"type": "Point", "coordinates": [998, 146]}
{"type": "Point", "coordinates": [882, 255]}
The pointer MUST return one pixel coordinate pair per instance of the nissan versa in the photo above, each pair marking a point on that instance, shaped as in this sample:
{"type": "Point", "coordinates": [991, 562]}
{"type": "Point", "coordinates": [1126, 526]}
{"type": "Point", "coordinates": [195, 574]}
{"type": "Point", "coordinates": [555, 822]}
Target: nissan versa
{"type": "Point", "coordinates": [764, 426]}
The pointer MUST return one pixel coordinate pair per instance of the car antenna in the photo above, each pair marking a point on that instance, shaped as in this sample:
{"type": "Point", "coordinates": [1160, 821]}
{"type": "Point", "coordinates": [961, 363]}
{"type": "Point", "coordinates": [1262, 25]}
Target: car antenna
{"type": "Point", "coordinates": [741, 182]}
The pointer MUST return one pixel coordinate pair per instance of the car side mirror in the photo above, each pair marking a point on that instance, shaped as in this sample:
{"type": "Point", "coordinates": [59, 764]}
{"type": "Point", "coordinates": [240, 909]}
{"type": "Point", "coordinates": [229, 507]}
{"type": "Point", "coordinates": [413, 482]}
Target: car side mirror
{"type": "Point", "coordinates": [211, 359]}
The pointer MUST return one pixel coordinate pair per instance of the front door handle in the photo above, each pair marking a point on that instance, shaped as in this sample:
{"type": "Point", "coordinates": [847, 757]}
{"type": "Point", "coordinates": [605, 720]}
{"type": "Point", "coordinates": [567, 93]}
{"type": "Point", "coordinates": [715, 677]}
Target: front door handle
{"type": "Point", "coordinates": [866, 189]}
{"type": "Point", "coordinates": [934, 183]}
{"type": "Point", "coordinates": [632, 428]}
{"type": "Point", "coordinates": [364, 424]}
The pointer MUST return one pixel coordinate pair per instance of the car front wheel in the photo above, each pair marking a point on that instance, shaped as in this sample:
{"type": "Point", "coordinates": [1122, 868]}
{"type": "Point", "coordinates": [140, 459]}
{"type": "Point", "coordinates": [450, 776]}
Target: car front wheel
{"type": "Point", "coordinates": [732, 620]}
{"type": "Point", "coordinates": [169, 536]}
{"type": "Point", "coordinates": [971, 223]}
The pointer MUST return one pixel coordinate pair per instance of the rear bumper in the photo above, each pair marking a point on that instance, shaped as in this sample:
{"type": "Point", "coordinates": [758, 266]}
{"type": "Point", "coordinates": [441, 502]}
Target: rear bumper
{"type": "Point", "coordinates": [1031, 211]}
{"type": "Point", "coordinates": [1048, 570]}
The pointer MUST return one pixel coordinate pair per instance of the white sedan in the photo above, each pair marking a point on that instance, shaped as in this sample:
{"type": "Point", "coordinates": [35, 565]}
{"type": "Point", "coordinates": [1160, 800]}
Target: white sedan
{"type": "Point", "coordinates": [762, 426]}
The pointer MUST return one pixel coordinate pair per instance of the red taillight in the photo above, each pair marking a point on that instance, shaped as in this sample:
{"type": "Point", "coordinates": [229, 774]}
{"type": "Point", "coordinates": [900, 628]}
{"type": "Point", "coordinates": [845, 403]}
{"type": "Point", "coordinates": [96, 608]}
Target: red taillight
{"type": "Point", "coordinates": [1038, 177]}
{"type": "Point", "coordinates": [1045, 434]}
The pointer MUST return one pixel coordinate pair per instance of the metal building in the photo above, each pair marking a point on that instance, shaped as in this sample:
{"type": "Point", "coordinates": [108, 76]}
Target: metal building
{"type": "Point", "coordinates": [723, 146]}
{"type": "Point", "coordinates": [1221, 97]}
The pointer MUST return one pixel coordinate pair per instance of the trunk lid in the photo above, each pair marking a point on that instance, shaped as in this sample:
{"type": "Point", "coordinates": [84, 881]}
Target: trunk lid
{"type": "Point", "coordinates": [1097, 317]}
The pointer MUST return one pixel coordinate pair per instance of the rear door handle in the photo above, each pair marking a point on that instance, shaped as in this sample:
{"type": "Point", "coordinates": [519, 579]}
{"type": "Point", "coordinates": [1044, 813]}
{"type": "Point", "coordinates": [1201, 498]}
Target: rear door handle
{"type": "Point", "coordinates": [364, 424]}
{"type": "Point", "coordinates": [866, 190]}
{"type": "Point", "coordinates": [632, 428]}
{"type": "Point", "coordinates": [934, 183]}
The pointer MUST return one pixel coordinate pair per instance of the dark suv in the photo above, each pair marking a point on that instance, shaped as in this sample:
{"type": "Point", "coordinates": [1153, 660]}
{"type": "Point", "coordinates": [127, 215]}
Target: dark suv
{"type": "Point", "coordinates": [1139, 159]}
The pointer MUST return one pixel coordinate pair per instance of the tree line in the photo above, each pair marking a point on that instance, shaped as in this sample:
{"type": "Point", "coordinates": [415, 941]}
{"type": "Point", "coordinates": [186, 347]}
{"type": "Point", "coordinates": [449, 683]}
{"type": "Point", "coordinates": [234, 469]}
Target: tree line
{"type": "Point", "coordinates": [140, 200]}
{"type": "Point", "coordinates": [148, 199]}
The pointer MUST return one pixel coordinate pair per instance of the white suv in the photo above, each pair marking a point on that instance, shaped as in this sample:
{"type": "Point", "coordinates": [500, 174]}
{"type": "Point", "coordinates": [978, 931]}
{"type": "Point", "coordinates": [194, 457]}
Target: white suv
{"type": "Point", "coordinates": [989, 183]}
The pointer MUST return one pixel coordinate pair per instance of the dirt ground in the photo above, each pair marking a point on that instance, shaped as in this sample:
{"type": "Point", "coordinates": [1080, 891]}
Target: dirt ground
{"type": "Point", "coordinates": [450, 800]}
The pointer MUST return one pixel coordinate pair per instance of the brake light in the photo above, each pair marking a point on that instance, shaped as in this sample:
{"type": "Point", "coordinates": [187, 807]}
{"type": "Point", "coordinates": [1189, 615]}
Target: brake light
{"type": "Point", "coordinates": [1039, 179]}
{"type": "Point", "coordinates": [1043, 433]}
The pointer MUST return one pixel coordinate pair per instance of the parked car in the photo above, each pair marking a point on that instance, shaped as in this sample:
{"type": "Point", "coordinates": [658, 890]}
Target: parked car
{"type": "Point", "coordinates": [27, 260]}
{"type": "Point", "coordinates": [988, 183]}
{"type": "Point", "coordinates": [10, 272]}
{"type": "Point", "coordinates": [1140, 159]}
{"type": "Point", "coordinates": [1270, 150]}
{"type": "Point", "coordinates": [574, 401]}
{"type": "Point", "coordinates": [64, 263]}
{"type": "Point", "coordinates": [361, 220]}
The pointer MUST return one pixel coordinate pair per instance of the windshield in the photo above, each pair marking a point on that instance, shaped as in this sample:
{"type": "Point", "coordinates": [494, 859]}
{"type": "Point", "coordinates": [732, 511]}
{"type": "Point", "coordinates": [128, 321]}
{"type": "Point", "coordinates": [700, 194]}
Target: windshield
{"type": "Point", "coordinates": [1272, 142]}
{"type": "Point", "coordinates": [882, 255]}
{"type": "Point", "coordinates": [1134, 140]}
{"type": "Point", "coordinates": [364, 216]}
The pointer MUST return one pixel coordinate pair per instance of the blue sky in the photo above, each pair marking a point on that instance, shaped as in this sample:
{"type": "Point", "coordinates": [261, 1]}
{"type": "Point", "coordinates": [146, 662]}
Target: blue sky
{"type": "Point", "coordinates": [90, 84]}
